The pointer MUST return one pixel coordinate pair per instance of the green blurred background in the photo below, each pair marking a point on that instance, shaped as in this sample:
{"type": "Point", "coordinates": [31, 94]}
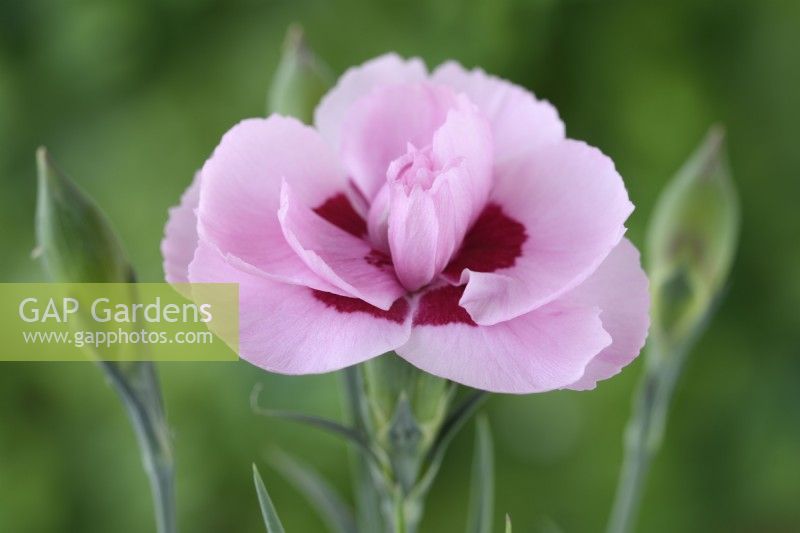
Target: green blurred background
{"type": "Point", "coordinates": [132, 95]}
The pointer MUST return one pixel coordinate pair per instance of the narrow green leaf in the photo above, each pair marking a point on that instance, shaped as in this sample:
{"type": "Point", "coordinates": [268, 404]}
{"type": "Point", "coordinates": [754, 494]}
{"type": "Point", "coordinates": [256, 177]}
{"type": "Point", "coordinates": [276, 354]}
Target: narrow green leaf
{"type": "Point", "coordinates": [454, 422]}
{"type": "Point", "coordinates": [350, 434]}
{"type": "Point", "coordinates": [508, 523]}
{"type": "Point", "coordinates": [481, 500]}
{"type": "Point", "coordinates": [330, 506]}
{"type": "Point", "coordinates": [271, 520]}
{"type": "Point", "coordinates": [355, 396]}
{"type": "Point", "coordinates": [316, 421]}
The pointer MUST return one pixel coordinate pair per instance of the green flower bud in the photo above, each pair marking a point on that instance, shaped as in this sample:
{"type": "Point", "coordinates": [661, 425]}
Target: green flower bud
{"type": "Point", "coordinates": [300, 80]}
{"type": "Point", "coordinates": [406, 408]}
{"type": "Point", "coordinates": [75, 239]}
{"type": "Point", "coordinates": [692, 241]}
{"type": "Point", "coordinates": [78, 245]}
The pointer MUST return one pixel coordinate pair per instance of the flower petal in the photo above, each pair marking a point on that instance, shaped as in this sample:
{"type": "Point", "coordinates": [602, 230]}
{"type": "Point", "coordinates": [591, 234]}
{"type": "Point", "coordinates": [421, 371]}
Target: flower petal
{"type": "Point", "coordinates": [543, 350]}
{"type": "Point", "coordinates": [380, 125]}
{"type": "Point", "coordinates": [180, 235]}
{"type": "Point", "coordinates": [358, 81]}
{"type": "Point", "coordinates": [520, 122]}
{"type": "Point", "coordinates": [426, 226]}
{"type": "Point", "coordinates": [619, 288]}
{"type": "Point", "coordinates": [290, 329]}
{"type": "Point", "coordinates": [337, 255]}
{"type": "Point", "coordinates": [414, 235]}
{"type": "Point", "coordinates": [572, 204]}
{"type": "Point", "coordinates": [465, 139]}
{"type": "Point", "coordinates": [240, 194]}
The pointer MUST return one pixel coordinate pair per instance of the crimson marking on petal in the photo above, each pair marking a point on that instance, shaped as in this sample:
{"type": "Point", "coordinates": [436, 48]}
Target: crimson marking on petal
{"type": "Point", "coordinates": [397, 313]}
{"type": "Point", "coordinates": [339, 211]}
{"type": "Point", "coordinates": [494, 242]}
{"type": "Point", "coordinates": [378, 259]}
{"type": "Point", "coordinates": [439, 307]}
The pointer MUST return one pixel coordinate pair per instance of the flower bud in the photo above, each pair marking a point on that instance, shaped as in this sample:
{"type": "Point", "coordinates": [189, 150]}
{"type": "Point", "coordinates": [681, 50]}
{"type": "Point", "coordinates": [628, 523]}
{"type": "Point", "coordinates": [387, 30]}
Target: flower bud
{"type": "Point", "coordinates": [300, 80]}
{"type": "Point", "coordinates": [407, 408]}
{"type": "Point", "coordinates": [74, 237]}
{"type": "Point", "coordinates": [78, 245]}
{"type": "Point", "coordinates": [692, 240]}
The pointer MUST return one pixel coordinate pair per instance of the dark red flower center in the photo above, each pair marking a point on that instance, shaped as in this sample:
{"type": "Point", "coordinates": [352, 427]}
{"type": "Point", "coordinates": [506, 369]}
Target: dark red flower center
{"type": "Point", "coordinates": [340, 212]}
{"type": "Point", "coordinates": [438, 307]}
{"type": "Point", "coordinates": [494, 242]}
{"type": "Point", "coordinates": [397, 313]}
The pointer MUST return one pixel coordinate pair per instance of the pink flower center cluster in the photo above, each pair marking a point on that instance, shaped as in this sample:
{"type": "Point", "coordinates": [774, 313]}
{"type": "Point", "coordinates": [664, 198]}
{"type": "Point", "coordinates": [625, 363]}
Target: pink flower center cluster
{"type": "Point", "coordinates": [414, 169]}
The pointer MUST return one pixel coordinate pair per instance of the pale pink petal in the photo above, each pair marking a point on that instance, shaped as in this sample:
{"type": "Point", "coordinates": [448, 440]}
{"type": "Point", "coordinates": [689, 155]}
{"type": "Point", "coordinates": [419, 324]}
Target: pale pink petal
{"type": "Point", "coordinates": [619, 288]}
{"type": "Point", "coordinates": [413, 235]}
{"type": "Point", "coordinates": [565, 206]}
{"type": "Point", "coordinates": [180, 235]}
{"type": "Point", "coordinates": [542, 350]}
{"type": "Point", "coordinates": [435, 198]}
{"type": "Point", "coordinates": [296, 330]}
{"type": "Point", "coordinates": [240, 194]}
{"type": "Point", "coordinates": [465, 139]}
{"type": "Point", "coordinates": [378, 220]}
{"type": "Point", "coordinates": [359, 81]}
{"type": "Point", "coordinates": [336, 255]}
{"type": "Point", "coordinates": [380, 125]}
{"type": "Point", "coordinates": [520, 122]}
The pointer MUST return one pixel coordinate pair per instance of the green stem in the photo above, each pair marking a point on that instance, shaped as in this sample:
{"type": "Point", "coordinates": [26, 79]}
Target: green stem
{"type": "Point", "coordinates": [400, 515]}
{"type": "Point", "coordinates": [366, 496]}
{"type": "Point", "coordinates": [644, 433]}
{"type": "Point", "coordinates": [635, 465]}
{"type": "Point", "coordinates": [405, 513]}
{"type": "Point", "coordinates": [137, 385]}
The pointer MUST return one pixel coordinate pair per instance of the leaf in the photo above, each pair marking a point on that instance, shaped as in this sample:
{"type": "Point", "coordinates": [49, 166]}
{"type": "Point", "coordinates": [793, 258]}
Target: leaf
{"type": "Point", "coordinates": [508, 523]}
{"type": "Point", "coordinates": [271, 520]}
{"type": "Point", "coordinates": [456, 420]}
{"type": "Point", "coordinates": [330, 506]}
{"type": "Point", "coordinates": [348, 433]}
{"type": "Point", "coordinates": [449, 430]}
{"type": "Point", "coordinates": [481, 501]}
{"type": "Point", "coordinates": [356, 402]}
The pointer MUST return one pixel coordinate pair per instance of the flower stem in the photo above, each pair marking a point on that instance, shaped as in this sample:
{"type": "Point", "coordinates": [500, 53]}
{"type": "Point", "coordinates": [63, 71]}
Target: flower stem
{"type": "Point", "coordinates": [367, 499]}
{"type": "Point", "coordinates": [137, 385]}
{"type": "Point", "coordinates": [644, 433]}
{"type": "Point", "coordinates": [400, 515]}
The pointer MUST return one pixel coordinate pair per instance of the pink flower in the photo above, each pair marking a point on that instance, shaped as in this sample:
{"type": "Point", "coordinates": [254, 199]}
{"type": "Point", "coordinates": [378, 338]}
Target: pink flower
{"type": "Point", "coordinates": [444, 216]}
